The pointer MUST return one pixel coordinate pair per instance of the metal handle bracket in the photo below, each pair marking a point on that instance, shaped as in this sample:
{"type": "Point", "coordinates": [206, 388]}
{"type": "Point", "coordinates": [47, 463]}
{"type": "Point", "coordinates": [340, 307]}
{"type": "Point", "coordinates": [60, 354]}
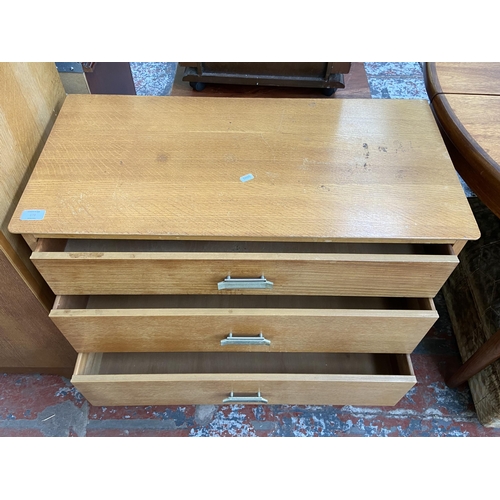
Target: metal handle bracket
{"type": "Point", "coordinates": [243, 340]}
{"type": "Point", "coordinates": [244, 283]}
{"type": "Point", "coordinates": [245, 399]}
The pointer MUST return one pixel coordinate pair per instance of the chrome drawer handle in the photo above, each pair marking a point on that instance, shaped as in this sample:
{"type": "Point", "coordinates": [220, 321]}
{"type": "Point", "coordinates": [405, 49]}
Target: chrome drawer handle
{"type": "Point", "coordinates": [259, 340]}
{"type": "Point", "coordinates": [244, 399]}
{"type": "Point", "coordinates": [244, 283]}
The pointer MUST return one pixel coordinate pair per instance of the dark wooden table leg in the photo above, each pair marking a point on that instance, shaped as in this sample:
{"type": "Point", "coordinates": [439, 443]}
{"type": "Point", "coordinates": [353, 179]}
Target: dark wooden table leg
{"type": "Point", "coordinates": [485, 355]}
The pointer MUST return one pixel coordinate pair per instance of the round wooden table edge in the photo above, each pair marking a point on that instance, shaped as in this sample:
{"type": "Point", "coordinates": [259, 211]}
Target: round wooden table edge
{"type": "Point", "coordinates": [431, 80]}
{"type": "Point", "coordinates": [483, 174]}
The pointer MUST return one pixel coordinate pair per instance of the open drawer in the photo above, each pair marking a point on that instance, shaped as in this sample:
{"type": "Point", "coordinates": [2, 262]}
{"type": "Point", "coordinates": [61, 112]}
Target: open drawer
{"type": "Point", "coordinates": [135, 267]}
{"type": "Point", "coordinates": [250, 378]}
{"type": "Point", "coordinates": [243, 323]}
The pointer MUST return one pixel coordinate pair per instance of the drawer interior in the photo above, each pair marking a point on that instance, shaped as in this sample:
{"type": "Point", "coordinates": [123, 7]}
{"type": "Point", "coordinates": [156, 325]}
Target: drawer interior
{"type": "Point", "coordinates": [243, 362]}
{"type": "Point", "coordinates": [240, 302]}
{"type": "Point", "coordinates": [186, 246]}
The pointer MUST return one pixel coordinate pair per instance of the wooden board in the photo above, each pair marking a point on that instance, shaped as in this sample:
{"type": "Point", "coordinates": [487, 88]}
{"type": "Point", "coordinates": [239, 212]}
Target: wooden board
{"type": "Point", "coordinates": [109, 390]}
{"type": "Point", "coordinates": [471, 123]}
{"type": "Point", "coordinates": [465, 98]}
{"type": "Point", "coordinates": [477, 117]}
{"type": "Point", "coordinates": [29, 340]}
{"type": "Point", "coordinates": [475, 78]}
{"type": "Point", "coordinates": [31, 95]}
{"type": "Point", "coordinates": [280, 384]}
{"type": "Point", "coordinates": [156, 167]}
{"type": "Point", "coordinates": [200, 273]}
{"type": "Point", "coordinates": [34, 285]}
{"type": "Point", "coordinates": [291, 324]}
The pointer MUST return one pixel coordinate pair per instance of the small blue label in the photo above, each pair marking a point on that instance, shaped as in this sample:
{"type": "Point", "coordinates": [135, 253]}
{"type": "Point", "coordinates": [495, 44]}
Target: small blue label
{"type": "Point", "coordinates": [247, 177]}
{"type": "Point", "coordinates": [33, 214]}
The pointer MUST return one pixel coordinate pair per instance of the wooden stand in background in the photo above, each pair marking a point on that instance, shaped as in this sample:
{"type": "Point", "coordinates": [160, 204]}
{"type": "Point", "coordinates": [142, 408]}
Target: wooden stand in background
{"type": "Point", "coordinates": [356, 86]}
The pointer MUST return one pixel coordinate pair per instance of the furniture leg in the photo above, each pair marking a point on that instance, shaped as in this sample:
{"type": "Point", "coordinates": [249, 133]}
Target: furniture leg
{"type": "Point", "coordinates": [485, 355]}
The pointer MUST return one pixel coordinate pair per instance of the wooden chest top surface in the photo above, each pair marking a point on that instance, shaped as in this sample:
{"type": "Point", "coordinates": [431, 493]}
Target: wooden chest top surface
{"type": "Point", "coordinates": [246, 168]}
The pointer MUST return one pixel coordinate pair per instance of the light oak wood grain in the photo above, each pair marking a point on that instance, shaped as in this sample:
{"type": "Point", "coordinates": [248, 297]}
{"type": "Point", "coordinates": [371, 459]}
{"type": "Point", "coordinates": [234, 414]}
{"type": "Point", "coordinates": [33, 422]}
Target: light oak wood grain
{"type": "Point", "coordinates": [464, 98]}
{"type": "Point", "coordinates": [474, 78]}
{"type": "Point", "coordinates": [30, 98]}
{"type": "Point", "coordinates": [377, 270]}
{"type": "Point", "coordinates": [208, 378]}
{"type": "Point", "coordinates": [170, 168]}
{"type": "Point", "coordinates": [478, 115]}
{"type": "Point", "coordinates": [31, 95]}
{"type": "Point", "coordinates": [458, 247]}
{"type": "Point", "coordinates": [291, 324]}
{"type": "Point", "coordinates": [33, 284]}
{"type": "Point", "coordinates": [29, 340]}
{"type": "Point", "coordinates": [346, 199]}
{"type": "Point", "coordinates": [471, 123]}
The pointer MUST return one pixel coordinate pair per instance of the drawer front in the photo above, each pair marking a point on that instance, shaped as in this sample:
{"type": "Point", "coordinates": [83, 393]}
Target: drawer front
{"type": "Point", "coordinates": [243, 388]}
{"type": "Point", "coordinates": [112, 390]}
{"type": "Point", "coordinates": [254, 329]}
{"type": "Point", "coordinates": [94, 273]}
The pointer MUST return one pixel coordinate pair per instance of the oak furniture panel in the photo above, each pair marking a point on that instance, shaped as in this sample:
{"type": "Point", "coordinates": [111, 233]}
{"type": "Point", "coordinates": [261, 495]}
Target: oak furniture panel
{"type": "Point", "coordinates": [318, 230]}
{"type": "Point", "coordinates": [465, 98]}
{"type": "Point", "coordinates": [171, 168]}
{"type": "Point", "coordinates": [268, 323]}
{"type": "Point", "coordinates": [212, 378]}
{"type": "Point", "coordinates": [197, 267]}
{"type": "Point", "coordinates": [31, 95]}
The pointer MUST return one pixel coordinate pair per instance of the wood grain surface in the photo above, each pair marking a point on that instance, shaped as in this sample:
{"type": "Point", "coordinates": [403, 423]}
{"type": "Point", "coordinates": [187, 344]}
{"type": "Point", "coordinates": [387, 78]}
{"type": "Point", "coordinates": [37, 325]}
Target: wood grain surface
{"type": "Point", "coordinates": [477, 118]}
{"type": "Point", "coordinates": [29, 340]}
{"type": "Point", "coordinates": [142, 390]}
{"type": "Point", "coordinates": [474, 78]}
{"type": "Point", "coordinates": [487, 354]}
{"type": "Point", "coordinates": [209, 381]}
{"type": "Point", "coordinates": [156, 167]}
{"type": "Point", "coordinates": [31, 95]}
{"type": "Point", "coordinates": [471, 123]}
{"type": "Point", "coordinates": [465, 98]}
{"type": "Point", "coordinates": [291, 324]}
{"type": "Point", "coordinates": [92, 273]}
{"type": "Point", "coordinates": [245, 363]}
{"type": "Point", "coordinates": [33, 281]}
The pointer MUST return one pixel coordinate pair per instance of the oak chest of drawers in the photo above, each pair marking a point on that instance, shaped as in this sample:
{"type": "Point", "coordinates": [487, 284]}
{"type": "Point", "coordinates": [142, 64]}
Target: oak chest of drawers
{"type": "Point", "coordinates": [244, 250]}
